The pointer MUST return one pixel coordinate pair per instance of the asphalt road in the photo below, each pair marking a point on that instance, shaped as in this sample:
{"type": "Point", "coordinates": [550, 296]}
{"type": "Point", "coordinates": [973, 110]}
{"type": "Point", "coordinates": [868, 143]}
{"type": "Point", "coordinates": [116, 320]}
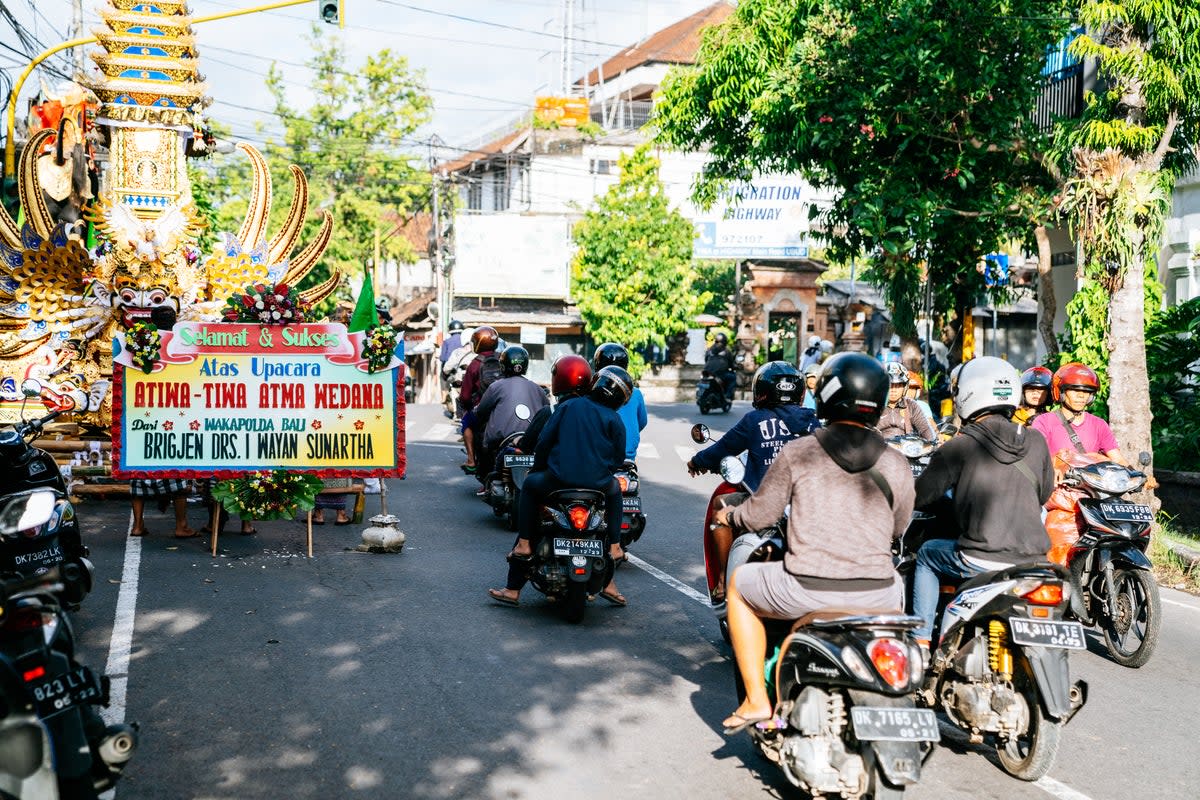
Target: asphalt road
{"type": "Point", "coordinates": [262, 674]}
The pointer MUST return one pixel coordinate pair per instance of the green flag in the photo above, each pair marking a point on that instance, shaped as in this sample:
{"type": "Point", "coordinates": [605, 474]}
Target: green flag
{"type": "Point", "coordinates": [365, 315]}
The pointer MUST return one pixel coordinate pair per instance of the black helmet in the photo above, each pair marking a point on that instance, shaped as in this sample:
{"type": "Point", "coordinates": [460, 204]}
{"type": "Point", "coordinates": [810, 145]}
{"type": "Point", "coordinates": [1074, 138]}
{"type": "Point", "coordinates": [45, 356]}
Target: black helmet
{"type": "Point", "coordinates": [515, 360]}
{"type": "Point", "coordinates": [720, 338]}
{"type": "Point", "coordinates": [612, 387]}
{"type": "Point", "coordinates": [455, 325]}
{"type": "Point", "coordinates": [853, 387]}
{"type": "Point", "coordinates": [610, 354]}
{"type": "Point", "coordinates": [777, 383]}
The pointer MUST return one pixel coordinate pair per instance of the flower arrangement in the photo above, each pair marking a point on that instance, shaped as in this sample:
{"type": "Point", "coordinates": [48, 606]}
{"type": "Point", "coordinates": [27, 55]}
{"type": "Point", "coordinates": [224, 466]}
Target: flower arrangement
{"type": "Point", "coordinates": [277, 494]}
{"type": "Point", "coordinates": [143, 342]}
{"type": "Point", "coordinates": [379, 343]}
{"type": "Point", "coordinates": [266, 305]}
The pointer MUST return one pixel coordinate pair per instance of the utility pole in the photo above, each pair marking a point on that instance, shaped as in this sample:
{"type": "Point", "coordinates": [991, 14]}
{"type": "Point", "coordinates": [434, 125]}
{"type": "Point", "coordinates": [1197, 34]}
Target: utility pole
{"type": "Point", "coordinates": [568, 37]}
{"type": "Point", "coordinates": [77, 31]}
{"type": "Point", "coordinates": [440, 279]}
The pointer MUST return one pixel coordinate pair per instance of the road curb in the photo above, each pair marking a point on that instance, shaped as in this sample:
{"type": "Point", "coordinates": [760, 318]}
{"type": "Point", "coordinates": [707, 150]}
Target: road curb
{"type": "Point", "coordinates": [1190, 556]}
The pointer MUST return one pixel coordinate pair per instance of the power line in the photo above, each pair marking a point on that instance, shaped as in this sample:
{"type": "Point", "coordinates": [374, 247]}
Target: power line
{"type": "Point", "coordinates": [491, 24]}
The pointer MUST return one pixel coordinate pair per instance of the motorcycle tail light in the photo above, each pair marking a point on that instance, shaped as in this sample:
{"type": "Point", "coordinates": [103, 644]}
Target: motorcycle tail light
{"type": "Point", "coordinates": [1048, 594]}
{"type": "Point", "coordinates": [890, 658]}
{"type": "Point", "coordinates": [578, 516]}
{"type": "Point", "coordinates": [26, 619]}
{"type": "Point", "coordinates": [623, 481]}
{"type": "Point", "coordinates": [34, 674]}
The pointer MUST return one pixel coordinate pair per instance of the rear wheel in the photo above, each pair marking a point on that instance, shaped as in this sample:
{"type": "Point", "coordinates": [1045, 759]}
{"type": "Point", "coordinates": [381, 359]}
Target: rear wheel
{"type": "Point", "coordinates": [1132, 634]}
{"type": "Point", "coordinates": [1030, 755]}
{"type": "Point", "coordinates": [881, 789]}
{"type": "Point", "coordinates": [703, 408]}
{"type": "Point", "coordinates": [575, 603]}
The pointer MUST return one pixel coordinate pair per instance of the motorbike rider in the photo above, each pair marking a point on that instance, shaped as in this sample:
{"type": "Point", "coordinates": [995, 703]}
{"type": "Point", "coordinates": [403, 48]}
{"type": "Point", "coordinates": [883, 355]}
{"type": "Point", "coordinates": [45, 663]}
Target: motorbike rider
{"type": "Point", "coordinates": [1000, 475]}
{"type": "Point", "coordinates": [1035, 394]}
{"type": "Point", "coordinates": [484, 342]}
{"type": "Point", "coordinates": [1070, 427]}
{"type": "Point", "coordinates": [812, 354]}
{"type": "Point", "coordinates": [633, 413]}
{"type": "Point", "coordinates": [902, 417]}
{"type": "Point", "coordinates": [507, 406]}
{"type": "Point", "coordinates": [912, 394]}
{"type": "Point", "coordinates": [452, 342]}
{"type": "Point", "coordinates": [580, 447]}
{"type": "Point", "coordinates": [811, 373]}
{"type": "Point", "coordinates": [719, 360]}
{"type": "Point", "coordinates": [570, 377]}
{"type": "Point", "coordinates": [843, 472]}
{"type": "Point", "coordinates": [776, 419]}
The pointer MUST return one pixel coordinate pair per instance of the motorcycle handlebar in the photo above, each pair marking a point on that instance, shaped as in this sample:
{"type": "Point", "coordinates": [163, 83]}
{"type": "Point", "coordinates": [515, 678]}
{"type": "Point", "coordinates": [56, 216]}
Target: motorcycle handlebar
{"type": "Point", "coordinates": [35, 425]}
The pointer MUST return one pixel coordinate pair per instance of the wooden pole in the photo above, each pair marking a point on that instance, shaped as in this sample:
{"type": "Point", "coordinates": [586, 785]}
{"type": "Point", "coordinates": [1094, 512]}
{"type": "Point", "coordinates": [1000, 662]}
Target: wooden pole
{"type": "Point", "coordinates": [216, 525]}
{"type": "Point", "coordinates": [310, 513]}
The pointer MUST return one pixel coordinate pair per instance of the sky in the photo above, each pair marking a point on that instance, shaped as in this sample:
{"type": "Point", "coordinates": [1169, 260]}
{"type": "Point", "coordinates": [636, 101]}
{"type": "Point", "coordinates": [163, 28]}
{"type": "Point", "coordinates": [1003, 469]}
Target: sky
{"type": "Point", "coordinates": [484, 60]}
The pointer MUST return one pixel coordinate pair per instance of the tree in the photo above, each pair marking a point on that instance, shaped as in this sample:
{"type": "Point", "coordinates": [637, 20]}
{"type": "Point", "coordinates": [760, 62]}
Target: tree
{"type": "Point", "coordinates": [914, 111]}
{"type": "Point", "coordinates": [632, 273]}
{"type": "Point", "coordinates": [1136, 137]}
{"type": "Point", "coordinates": [717, 279]}
{"type": "Point", "coordinates": [354, 144]}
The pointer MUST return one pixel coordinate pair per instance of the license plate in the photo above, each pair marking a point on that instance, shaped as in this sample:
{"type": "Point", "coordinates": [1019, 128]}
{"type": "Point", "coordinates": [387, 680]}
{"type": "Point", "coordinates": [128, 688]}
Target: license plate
{"type": "Point", "coordinates": [631, 503]}
{"type": "Point", "coordinates": [592, 548]}
{"type": "Point", "coordinates": [895, 724]}
{"type": "Point", "coordinates": [58, 694]}
{"type": "Point", "coordinates": [1127, 512]}
{"type": "Point", "coordinates": [514, 460]}
{"type": "Point", "coordinates": [1048, 633]}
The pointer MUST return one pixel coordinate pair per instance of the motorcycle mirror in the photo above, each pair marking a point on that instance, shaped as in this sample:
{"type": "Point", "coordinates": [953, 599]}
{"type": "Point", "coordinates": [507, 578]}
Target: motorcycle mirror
{"type": "Point", "coordinates": [700, 433]}
{"type": "Point", "coordinates": [31, 388]}
{"type": "Point", "coordinates": [1144, 458]}
{"type": "Point", "coordinates": [26, 511]}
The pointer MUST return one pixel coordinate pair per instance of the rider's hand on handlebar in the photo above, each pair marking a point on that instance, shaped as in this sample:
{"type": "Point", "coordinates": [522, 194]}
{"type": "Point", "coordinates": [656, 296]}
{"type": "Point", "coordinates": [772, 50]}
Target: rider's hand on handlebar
{"type": "Point", "coordinates": [694, 470]}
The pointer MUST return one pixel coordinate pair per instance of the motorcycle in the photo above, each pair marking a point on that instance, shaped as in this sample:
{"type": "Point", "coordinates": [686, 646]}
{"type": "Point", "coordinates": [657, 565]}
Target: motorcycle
{"type": "Point", "coordinates": [732, 470]}
{"type": "Point", "coordinates": [843, 728]}
{"type": "Point", "coordinates": [50, 697]}
{"type": "Point", "coordinates": [1000, 670]}
{"type": "Point", "coordinates": [710, 393]}
{"type": "Point", "coordinates": [25, 469]}
{"type": "Point", "coordinates": [1111, 577]}
{"type": "Point", "coordinates": [571, 560]}
{"type": "Point", "coordinates": [633, 521]}
{"type": "Point", "coordinates": [915, 449]}
{"type": "Point", "coordinates": [503, 484]}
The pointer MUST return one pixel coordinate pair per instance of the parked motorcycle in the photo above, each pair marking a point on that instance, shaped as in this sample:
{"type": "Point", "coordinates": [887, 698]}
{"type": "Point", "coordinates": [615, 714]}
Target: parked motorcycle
{"type": "Point", "coordinates": [1000, 670]}
{"type": "Point", "coordinates": [1111, 577]}
{"type": "Point", "coordinates": [710, 393]}
{"type": "Point", "coordinates": [25, 469]}
{"type": "Point", "coordinates": [38, 645]}
{"type": "Point", "coordinates": [633, 521]}
{"type": "Point", "coordinates": [571, 560]}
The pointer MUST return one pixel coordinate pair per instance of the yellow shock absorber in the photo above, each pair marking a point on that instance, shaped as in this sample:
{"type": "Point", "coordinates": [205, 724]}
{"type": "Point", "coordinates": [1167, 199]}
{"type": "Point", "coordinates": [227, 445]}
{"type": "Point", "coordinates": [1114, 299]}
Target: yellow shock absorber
{"type": "Point", "coordinates": [999, 657]}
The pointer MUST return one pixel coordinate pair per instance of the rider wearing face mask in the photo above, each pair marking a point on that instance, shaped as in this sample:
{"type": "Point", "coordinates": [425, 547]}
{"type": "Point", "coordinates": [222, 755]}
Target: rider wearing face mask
{"type": "Point", "coordinates": [777, 418]}
{"type": "Point", "coordinates": [1071, 427]}
{"type": "Point", "coordinates": [902, 416]}
{"type": "Point", "coordinates": [1000, 474]}
{"type": "Point", "coordinates": [1035, 394]}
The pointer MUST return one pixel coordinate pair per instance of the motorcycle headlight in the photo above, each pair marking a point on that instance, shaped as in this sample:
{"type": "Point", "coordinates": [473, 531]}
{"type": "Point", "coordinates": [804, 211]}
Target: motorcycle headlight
{"type": "Point", "coordinates": [733, 470]}
{"type": "Point", "coordinates": [1111, 478]}
{"type": "Point", "coordinates": [914, 449]}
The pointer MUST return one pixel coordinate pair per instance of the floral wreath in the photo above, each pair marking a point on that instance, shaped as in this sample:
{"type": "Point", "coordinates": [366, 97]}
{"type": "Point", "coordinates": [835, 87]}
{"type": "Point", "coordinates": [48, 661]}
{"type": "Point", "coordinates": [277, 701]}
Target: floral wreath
{"type": "Point", "coordinates": [264, 304]}
{"type": "Point", "coordinates": [277, 494]}
{"type": "Point", "coordinates": [143, 343]}
{"type": "Point", "coordinates": [379, 344]}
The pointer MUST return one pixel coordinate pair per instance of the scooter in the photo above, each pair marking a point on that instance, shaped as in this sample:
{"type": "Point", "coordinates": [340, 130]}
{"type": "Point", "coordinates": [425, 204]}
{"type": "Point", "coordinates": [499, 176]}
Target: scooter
{"type": "Point", "coordinates": [25, 469]}
{"type": "Point", "coordinates": [1000, 671]}
{"type": "Point", "coordinates": [1112, 578]}
{"type": "Point", "coordinates": [633, 521]}
{"type": "Point", "coordinates": [501, 486]}
{"type": "Point", "coordinates": [49, 696]}
{"type": "Point", "coordinates": [710, 393]}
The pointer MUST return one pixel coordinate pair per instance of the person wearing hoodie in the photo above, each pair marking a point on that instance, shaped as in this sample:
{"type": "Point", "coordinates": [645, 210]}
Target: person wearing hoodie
{"type": "Point", "coordinates": [851, 495]}
{"type": "Point", "coordinates": [1001, 475]}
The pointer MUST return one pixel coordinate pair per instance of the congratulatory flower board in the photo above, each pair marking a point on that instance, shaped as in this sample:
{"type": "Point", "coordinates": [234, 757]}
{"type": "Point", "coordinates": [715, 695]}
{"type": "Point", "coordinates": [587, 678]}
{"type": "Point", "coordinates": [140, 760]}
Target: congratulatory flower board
{"type": "Point", "coordinates": [220, 399]}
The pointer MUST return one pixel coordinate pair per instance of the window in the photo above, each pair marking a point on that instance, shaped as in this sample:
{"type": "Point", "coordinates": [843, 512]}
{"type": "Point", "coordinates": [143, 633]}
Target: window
{"type": "Point", "coordinates": [475, 194]}
{"type": "Point", "coordinates": [601, 166]}
{"type": "Point", "coordinates": [500, 193]}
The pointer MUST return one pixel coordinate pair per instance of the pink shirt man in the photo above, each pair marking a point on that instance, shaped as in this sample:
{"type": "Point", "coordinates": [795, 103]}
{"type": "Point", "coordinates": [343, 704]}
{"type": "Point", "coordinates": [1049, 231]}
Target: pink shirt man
{"type": "Point", "coordinates": [1094, 434]}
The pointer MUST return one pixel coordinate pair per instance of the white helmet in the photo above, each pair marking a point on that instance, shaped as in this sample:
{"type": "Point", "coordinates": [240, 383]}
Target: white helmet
{"type": "Point", "coordinates": [814, 341]}
{"type": "Point", "coordinates": [986, 383]}
{"type": "Point", "coordinates": [826, 346]}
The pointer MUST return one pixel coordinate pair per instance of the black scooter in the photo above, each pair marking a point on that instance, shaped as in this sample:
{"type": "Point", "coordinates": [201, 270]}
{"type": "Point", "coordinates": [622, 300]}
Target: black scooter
{"type": "Point", "coordinates": [710, 393]}
{"type": "Point", "coordinates": [25, 469]}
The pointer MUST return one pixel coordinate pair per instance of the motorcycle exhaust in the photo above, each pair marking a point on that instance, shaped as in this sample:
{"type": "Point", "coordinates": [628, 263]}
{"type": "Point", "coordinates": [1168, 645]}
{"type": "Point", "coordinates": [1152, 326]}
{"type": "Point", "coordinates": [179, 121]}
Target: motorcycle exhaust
{"type": "Point", "coordinates": [118, 744]}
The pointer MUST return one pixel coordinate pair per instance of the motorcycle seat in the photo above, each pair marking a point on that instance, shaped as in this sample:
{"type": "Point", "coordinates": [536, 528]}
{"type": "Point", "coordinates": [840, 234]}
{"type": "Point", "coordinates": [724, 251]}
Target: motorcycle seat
{"type": "Point", "coordinates": [855, 617]}
{"type": "Point", "coordinates": [1044, 570]}
{"type": "Point", "coordinates": [576, 496]}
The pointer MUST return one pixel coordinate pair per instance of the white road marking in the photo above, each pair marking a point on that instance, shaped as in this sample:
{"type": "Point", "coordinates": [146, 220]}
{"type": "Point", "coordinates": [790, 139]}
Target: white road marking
{"type": "Point", "coordinates": [647, 450]}
{"type": "Point", "coordinates": [677, 585]}
{"type": "Point", "coordinates": [1181, 605]}
{"type": "Point", "coordinates": [685, 453]}
{"type": "Point", "coordinates": [1048, 784]}
{"type": "Point", "coordinates": [121, 643]}
{"type": "Point", "coordinates": [440, 432]}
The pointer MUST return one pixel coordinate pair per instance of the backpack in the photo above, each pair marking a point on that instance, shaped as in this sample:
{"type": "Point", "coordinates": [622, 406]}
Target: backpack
{"type": "Point", "coordinates": [490, 371]}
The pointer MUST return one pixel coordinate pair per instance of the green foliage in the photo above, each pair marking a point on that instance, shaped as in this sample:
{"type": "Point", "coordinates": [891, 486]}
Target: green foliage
{"type": "Point", "coordinates": [590, 129]}
{"type": "Point", "coordinates": [716, 279]}
{"type": "Point", "coordinates": [202, 196]}
{"type": "Point", "coordinates": [632, 273]}
{"type": "Point", "coordinates": [913, 110]}
{"type": "Point", "coordinates": [266, 495]}
{"type": "Point", "coordinates": [354, 143]}
{"type": "Point", "coordinates": [1173, 361]}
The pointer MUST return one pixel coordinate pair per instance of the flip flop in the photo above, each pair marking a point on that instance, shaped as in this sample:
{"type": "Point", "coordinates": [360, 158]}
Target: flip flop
{"type": "Point", "coordinates": [511, 557]}
{"type": "Point", "coordinates": [139, 535]}
{"type": "Point", "coordinates": [250, 532]}
{"type": "Point", "coordinates": [189, 535]}
{"type": "Point", "coordinates": [616, 598]}
{"type": "Point", "coordinates": [503, 599]}
{"type": "Point", "coordinates": [730, 730]}
{"type": "Point", "coordinates": [467, 469]}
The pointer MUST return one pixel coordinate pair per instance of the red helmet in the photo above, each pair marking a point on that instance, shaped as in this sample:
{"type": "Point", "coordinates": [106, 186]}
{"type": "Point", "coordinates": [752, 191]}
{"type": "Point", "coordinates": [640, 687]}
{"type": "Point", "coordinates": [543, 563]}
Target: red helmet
{"type": "Point", "coordinates": [1036, 378]}
{"type": "Point", "coordinates": [484, 339]}
{"type": "Point", "coordinates": [1073, 376]}
{"type": "Point", "coordinates": [570, 374]}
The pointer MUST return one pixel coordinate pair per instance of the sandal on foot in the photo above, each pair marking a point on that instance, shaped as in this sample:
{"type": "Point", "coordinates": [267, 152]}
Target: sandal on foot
{"type": "Point", "coordinates": [515, 556]}
{"type": "Point", "coordinates": [616, 598]}
{"type": "Point", "coordinates": [188, 535]}
{"type": "Point", "coordinates": [468, 468]}
{"type": "Point", "coordinates": [502, 598]}
{"type": "Point", "coordinates": [139, 534]}
{"type": "Point", "coordinates": [251, 532]}
{"type": "Point", "coordinates": [743, 723]}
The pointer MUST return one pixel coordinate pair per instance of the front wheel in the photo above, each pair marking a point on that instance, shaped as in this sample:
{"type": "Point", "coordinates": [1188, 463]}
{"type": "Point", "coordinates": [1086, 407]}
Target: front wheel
{"type": "Point", "coordinates": [703, 409]}
{"type": "Point", "coordinates": [575, 602]}
{"type": "Point", "coordinates": [1132, 634]}
{"type": "Point", "coordinates": [1030, 755]}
